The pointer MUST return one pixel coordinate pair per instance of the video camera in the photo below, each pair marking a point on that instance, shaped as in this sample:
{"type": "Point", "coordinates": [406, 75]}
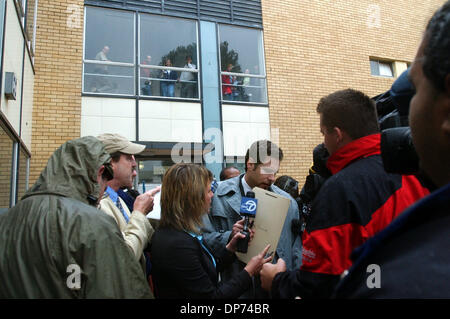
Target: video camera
{"type": "Point", "coordinates": [397, 149]}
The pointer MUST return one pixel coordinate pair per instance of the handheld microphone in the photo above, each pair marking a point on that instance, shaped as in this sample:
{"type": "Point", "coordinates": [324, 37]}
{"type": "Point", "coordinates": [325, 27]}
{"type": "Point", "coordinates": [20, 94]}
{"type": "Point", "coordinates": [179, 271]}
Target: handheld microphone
{"type": "Point", "coordinates": [248, 210]}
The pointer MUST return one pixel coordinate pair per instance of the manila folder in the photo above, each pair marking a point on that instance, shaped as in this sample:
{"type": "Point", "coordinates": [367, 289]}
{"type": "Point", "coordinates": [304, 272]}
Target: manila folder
{"type": "Point", "coordinates": [269, 221]}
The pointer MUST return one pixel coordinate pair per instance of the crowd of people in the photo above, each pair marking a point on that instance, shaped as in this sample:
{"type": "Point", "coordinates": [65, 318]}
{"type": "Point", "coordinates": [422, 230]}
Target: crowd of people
{"type": "Point", "coordinates": [81, 231]}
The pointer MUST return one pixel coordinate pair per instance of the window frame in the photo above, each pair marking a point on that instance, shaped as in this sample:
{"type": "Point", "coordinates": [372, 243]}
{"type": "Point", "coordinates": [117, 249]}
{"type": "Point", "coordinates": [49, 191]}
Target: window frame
{"type": "Point", "coordinates": [137, 63]}
{"type": "Point", "coordinates": [243, 75]}
{"type": "Point", "coordinates": [159, 67]}
{"type": "Point", "coordinates": [17, 147]}
{"type": "Point", "coordinates": [381, 61]}
{"type": "Point", "coordinates": [109, 63]}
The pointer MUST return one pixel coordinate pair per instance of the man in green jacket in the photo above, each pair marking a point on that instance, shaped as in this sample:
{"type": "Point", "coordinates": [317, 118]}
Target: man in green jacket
{"type": "Point", "coordinates": [55, 243]}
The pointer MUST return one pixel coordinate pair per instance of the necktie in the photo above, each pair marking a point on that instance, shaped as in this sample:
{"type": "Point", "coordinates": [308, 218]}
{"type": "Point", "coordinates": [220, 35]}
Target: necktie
{"type": "Point", "coordinates": [119, 206]}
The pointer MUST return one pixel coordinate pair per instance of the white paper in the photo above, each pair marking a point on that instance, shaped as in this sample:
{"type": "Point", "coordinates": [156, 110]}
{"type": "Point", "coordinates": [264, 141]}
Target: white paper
{"type": "Point", "coordinates": [156, 211]}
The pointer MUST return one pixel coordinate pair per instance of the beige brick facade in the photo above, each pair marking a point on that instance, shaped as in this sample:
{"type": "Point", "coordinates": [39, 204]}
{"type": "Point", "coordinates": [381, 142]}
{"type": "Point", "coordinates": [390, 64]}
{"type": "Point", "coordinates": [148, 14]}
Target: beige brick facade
{"type": "Point", "coordinates": [6, 148]}
{"type": "Point", "coordinates": [57, 88]}
{"type": "Point", "coordinates": [316, 47]}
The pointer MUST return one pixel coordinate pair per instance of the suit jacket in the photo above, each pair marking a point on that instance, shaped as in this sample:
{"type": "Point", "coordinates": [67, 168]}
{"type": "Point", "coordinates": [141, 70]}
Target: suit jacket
{"type": "Point", "coordinates": [182, 268]}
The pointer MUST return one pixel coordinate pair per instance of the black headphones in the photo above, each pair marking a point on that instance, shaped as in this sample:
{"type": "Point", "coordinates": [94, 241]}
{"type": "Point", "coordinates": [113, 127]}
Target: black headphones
{"type": "Point", "coordinates": [108, 173]}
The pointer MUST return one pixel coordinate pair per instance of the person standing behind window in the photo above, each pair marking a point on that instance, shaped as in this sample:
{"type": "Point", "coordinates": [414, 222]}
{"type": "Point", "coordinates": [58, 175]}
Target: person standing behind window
{"type": "Point", "coordinates": [147, 74]}
{"type": "Point", "coordinates": [227, 84]}
{"type": "Point", "coordinates": [187, 80]}
{"type": "Point", "coordinates": [183, 265]}
{"type": "Point", "coordinates": [168, 87]}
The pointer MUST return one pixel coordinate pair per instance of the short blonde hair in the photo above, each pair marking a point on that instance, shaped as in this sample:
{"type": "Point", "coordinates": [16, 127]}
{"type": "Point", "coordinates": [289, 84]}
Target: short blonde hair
{"type": "Point", "coordinates": [183, 196]}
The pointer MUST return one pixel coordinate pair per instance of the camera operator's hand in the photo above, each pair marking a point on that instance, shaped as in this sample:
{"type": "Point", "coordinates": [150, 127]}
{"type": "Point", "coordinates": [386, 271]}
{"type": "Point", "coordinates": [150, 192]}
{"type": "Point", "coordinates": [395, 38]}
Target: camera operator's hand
{"type": "Point", "coordinates": [144, 202]}
{"type": "Point", "coordinates": [269, 272]}
{"type": "Point", "coordinates": [256, 263]}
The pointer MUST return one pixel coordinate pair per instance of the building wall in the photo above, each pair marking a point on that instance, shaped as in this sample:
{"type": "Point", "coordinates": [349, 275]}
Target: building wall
{"type": "Point", "coordinates": [12, 62]}
{"type": "Point", "coordinates": [312, 48]}
{"type": "Point", "coordinates": [15, 114]}
{"type": "Point", "coordinates": [316, 47]}
{"type": "Point", "coordinates": [57, 90]}
{"type": "Point", "coordinates": [27, 102]}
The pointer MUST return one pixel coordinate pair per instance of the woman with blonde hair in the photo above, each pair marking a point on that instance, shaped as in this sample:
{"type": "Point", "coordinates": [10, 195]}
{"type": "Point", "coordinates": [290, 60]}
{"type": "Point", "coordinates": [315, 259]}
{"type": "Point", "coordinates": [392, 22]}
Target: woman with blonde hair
{"type": "Point", "coordinates": [183, 265]}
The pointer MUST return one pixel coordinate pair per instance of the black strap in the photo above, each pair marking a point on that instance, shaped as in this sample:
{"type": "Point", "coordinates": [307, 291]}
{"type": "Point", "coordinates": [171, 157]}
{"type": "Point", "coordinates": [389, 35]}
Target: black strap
{"type": "Point", "coordinates": [241, 187]}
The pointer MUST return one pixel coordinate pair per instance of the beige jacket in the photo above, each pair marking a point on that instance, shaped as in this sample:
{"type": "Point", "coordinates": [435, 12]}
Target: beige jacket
{"type": "Point", "coordinates": [137, 233]}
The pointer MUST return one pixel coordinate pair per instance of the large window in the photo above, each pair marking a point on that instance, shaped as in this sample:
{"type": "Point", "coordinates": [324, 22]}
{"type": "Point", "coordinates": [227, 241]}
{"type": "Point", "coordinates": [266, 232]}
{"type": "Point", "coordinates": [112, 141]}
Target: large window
{"type": "Point", "coordinates": [168, 57]}
{"type": "Point", "coordinates": [243, 75]}
{"type": "Point", "coordinates": [109, 52]}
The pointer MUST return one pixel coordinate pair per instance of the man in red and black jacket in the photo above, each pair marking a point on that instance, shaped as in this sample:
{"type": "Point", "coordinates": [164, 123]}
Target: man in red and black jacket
{"type": "Point", "coordinates": [355, 203]}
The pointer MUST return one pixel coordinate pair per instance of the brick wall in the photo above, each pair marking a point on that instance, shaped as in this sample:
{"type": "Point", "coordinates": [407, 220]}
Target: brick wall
{"type": "Point", "coordinates": [57, 88]}
{"type": "Point", "coordinates": [316, 47]}
{"type": "Point", "coordinates": [6, 145]}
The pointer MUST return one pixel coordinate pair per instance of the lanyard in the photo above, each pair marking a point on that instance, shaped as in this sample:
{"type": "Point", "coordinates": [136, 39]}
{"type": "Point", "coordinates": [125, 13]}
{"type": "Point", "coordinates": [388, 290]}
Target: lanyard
{"type": "Point", "coordinates": [200, 239]}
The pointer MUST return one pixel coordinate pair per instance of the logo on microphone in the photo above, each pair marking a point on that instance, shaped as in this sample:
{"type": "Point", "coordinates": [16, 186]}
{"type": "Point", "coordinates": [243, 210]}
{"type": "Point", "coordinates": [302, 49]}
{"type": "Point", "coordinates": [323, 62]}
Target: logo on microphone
{"type": "Point", "coordinates": [248, 206]}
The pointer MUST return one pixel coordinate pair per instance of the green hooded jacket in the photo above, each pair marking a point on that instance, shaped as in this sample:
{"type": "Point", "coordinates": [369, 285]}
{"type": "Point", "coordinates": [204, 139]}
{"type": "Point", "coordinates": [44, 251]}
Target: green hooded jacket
{"type": "Point", "coordinates": [54, 244]}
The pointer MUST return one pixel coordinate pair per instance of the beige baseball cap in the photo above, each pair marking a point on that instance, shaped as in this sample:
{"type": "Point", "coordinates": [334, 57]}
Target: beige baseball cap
{"type": "Point", "coordinates": [117, 143]}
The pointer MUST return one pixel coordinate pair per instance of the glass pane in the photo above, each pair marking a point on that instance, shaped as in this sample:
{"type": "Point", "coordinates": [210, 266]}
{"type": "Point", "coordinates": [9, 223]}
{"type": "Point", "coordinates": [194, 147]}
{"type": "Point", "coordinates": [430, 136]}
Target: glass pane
{"type": "Point", "coordinates": [242, 48]}
{"type": "Point", "coordinates": [99, 78]}
{"type": "Point", "coordinates": [249, 89]}
{"type": "Point", "coordinates": [29, 19]}
{"type": "Point", "coordinates": [6, 149]}
{"type": "Point", "coordinates": [109, 28]}
{"type": "Point", "coordinates": [385, 69]}
{"type": "Point", "coordinates": [151, 172]}
{"type": "Point", "coordinates": [239, 163]}
{"type": "Point", "coordinates": [23, 173]}
{"type": "Point", "coordinates": [241, 51]}
{"type": "Point", "coordinates": [374, 70]}
{"type": "Point", "coordinates": [168, 42]}
{"type": "Point", "coordinates": [109, 37]}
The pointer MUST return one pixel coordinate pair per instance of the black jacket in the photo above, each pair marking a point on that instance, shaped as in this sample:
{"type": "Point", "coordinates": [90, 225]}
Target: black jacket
{"type": "Point", "coordinates": [412, 254]}
{"type": "Point", "coordinates": [183, 269]}
{"type": "Point", "coordinates": [359, 200]}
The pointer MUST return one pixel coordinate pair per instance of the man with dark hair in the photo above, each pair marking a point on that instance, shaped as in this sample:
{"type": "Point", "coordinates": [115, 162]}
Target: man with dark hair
{"type": "Point", "coordinates": [356, 202]}
{"type": "Point", "coordinates": [55, 243]}
{"type": "Point", "coordinates": [410, 258]}
{"type": "Point", "coordinates": [262, 162]}
{"type": "Point", "coordinates": [229, 172]}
